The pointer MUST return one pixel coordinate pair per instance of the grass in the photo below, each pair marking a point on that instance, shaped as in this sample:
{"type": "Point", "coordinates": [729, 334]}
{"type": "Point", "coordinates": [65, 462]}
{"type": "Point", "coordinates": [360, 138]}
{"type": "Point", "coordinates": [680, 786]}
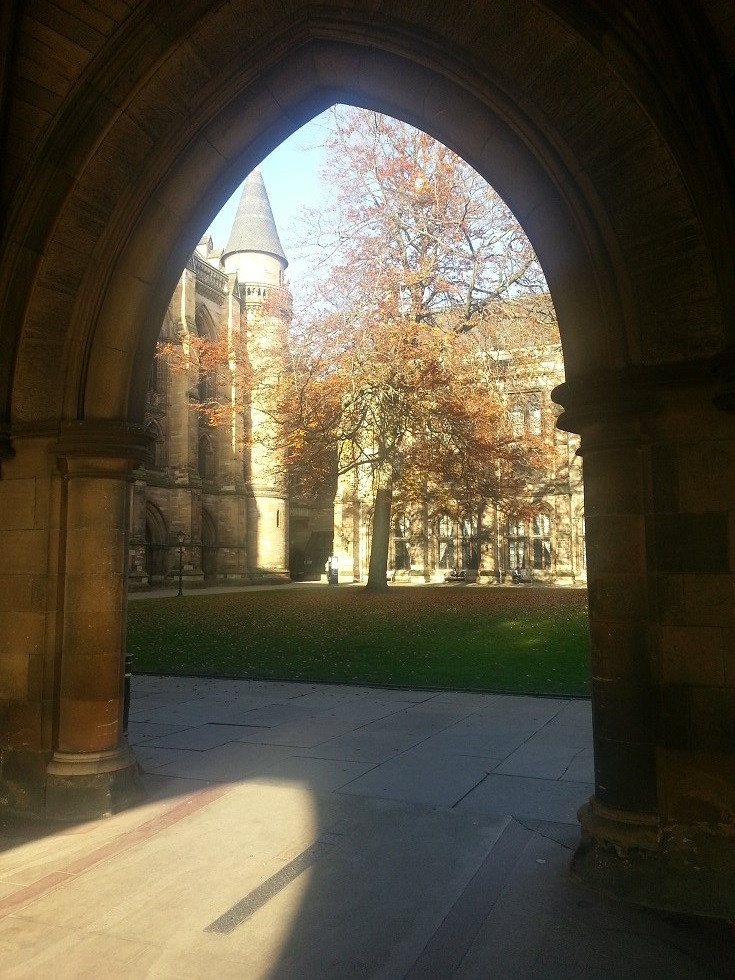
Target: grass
{"type": "Point", "coordinates": [448, 636]}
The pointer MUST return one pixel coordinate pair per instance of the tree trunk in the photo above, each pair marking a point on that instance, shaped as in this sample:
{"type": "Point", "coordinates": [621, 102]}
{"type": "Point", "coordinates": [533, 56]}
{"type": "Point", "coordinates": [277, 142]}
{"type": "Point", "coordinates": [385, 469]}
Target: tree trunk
{"type": "Point", "coordinates": [480, 512]}
{"type": "Point", "coordinates": [377, 575]}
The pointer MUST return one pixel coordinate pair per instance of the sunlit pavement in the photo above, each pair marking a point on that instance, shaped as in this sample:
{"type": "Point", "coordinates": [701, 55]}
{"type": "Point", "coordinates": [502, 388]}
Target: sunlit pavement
{"type": "Point", "coordinates": [321, 832]}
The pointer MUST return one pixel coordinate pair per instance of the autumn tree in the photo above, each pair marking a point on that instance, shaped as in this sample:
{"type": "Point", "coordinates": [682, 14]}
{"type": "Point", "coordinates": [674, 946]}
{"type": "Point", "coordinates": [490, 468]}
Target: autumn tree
{"type": "Point", "coordinates": [414, 253]}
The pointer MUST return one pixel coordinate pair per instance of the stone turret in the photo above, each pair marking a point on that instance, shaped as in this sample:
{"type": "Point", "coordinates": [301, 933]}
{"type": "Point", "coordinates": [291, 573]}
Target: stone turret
{"type": "Point", "coordinates": [255, 255]}
{"type": "Point", "coordinates": [254, 228]}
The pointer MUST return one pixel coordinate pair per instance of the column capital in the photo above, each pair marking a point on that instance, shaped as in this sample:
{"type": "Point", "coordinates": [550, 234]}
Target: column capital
{"type": "Point", "coordinates": [101, 443]}
{"type": "Point", "coordinates": [630, 390]}
{"type": "Point", "coordinates": [615, 401]}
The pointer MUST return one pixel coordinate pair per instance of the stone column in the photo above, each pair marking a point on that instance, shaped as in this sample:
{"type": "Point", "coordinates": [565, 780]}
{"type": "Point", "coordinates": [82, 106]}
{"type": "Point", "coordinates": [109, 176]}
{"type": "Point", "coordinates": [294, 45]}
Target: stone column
{"type": "Point", "coordinates": [29, 598]}
{"type": "Point", "coordinates": [659, 472]}
{"type": "Point", "coordinates": [267, 503]}
{"type": "Point", "coordinates": [92, 771]}
{"type": "Point", "coordinates": [230, 508]}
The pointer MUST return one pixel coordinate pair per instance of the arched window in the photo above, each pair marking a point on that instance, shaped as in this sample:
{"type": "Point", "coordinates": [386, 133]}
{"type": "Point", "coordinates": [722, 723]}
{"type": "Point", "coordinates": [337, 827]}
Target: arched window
{"type": "Point", "coordinates": [156, 376]}
{"type": "Point", "coordinates": [516, 543]}
{"type": "Point", "coordinates": [156, 545]}
{"type": "Point", "coordinates": [401, 542]}
{"type": "Point", "coordinates": [206, 458]}
{"type": "Point", "coordinates": [470, 553]}
{"type": "Point", "coordinates": [541, 530]}
{"type": "Point", "coordinates": [207, 330]}
{"type": "Point", "coordinates": [158, 448]}
{"type": "Point", "coordinates": [206, 387]}
{"type": "Point", "coordinates": [445, 529]}
{"type": "Point", "coordinates": [517, 420]}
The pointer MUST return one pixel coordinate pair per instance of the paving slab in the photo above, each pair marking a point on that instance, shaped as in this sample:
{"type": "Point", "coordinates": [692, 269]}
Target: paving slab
{"type": "Point", "coordinates": [237, 761]}
{"type": "Point", "coordinates": [154, 758]}
{"type": "Point", "coordinates": [481, 746]}
{"type": "Point", "coordinates": [317, 726]}
{"type": "Point", "coordinates": [366, 745]}
{"type": "Point", "coordinates": [141, 731]}
{"type": "Point", "coordinates": [273, 715]}
{"type": "Point", "coordinates": [435, 780]}
{"type": "Point", "coordinates": [304, 734]}
{"type": "Point", "coordinates": [541, 758]}
{"type": "Point", "coordinates": [528, 797]}
{"type": "Point", "coordinates": [199, 738]}
{"type": "Point", "coordinates": [582, 767]}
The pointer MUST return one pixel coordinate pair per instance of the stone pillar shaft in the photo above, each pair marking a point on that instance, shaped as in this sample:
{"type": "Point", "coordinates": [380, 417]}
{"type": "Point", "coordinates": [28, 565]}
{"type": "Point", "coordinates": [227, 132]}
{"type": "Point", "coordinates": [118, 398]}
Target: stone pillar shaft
{"type": "Point", "coordinates": [659, 472]}
{"type": "Point", "coordinates": [620, 665]}
{"type": "Point", "coordinates": [29, 601]}
{"type": "Point", "coordinates": [93, 771]}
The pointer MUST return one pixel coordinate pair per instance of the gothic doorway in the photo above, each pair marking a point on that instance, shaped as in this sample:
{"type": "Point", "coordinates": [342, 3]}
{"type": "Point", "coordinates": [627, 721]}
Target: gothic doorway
{"type": "Point", "coordinates": [156, 546]}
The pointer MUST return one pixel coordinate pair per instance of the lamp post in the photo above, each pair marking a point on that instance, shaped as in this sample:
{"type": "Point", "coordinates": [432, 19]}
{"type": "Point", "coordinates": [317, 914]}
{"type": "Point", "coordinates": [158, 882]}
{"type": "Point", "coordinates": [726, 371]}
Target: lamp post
{"type": "Point", "coordinates": [181, 559]}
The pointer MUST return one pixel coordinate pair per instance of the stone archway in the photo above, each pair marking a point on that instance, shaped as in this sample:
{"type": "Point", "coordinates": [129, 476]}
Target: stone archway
{"type": "Point", "coordinates": [628, 202]}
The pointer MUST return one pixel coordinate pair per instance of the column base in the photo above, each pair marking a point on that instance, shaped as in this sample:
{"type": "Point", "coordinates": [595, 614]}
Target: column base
{"type": "Point", "coordinates": [631, 857]}
{"type": "Point", "coordinates": [87, 785]}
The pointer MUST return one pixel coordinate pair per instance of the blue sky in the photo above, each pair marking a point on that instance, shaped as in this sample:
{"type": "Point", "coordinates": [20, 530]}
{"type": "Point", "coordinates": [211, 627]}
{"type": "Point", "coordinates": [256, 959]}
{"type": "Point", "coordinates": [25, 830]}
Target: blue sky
{"type": "Point", "coordinates": [291, 178]}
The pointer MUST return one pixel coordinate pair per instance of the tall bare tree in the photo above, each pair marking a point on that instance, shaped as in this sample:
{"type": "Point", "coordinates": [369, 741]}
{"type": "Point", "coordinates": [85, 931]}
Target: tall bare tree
{"type": "Point", "coordinates": [413, 253]}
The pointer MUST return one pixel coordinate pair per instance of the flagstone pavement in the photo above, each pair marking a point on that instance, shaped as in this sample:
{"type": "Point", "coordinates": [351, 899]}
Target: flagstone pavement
{"type": "Point", "coordinates": [297, 831]}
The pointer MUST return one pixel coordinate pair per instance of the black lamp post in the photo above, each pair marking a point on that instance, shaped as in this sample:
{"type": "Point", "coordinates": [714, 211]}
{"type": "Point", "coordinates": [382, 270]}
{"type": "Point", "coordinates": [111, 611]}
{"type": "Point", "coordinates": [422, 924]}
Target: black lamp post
{"type": "Point", "coordinates": [181, 559]}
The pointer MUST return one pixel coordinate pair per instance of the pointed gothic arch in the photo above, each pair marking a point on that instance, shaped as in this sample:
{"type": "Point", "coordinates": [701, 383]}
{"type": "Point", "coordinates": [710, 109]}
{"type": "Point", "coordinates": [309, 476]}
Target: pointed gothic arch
{"type": "Point", "coordinates": [207, 463]}
{"type": "Point", "coordinates": [541, 545]}
{"type": "Point", "coordinates": [158, 444]}
{"type": "Point", "coordinates": [205, 325]}
{"type": "Point", "coordinates": [625, 190]}
{"type": "Point", "coordinates": [401, 542]}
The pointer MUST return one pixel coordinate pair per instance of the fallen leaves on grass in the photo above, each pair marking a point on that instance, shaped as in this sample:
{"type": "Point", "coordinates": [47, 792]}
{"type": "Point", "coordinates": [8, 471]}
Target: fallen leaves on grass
{"type": "Point", "coordinates": [488, 639]}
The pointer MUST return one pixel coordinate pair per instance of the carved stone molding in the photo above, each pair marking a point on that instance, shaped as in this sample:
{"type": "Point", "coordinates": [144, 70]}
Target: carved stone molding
{"type": "Point", "coordinates": [104, 439]}
{"type": "Point", "coordinates": [627, 392]}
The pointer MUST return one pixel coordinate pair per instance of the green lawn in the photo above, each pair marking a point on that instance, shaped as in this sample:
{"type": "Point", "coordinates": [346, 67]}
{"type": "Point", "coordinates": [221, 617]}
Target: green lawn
{"type": "Point", "coordinates": [446, 636]}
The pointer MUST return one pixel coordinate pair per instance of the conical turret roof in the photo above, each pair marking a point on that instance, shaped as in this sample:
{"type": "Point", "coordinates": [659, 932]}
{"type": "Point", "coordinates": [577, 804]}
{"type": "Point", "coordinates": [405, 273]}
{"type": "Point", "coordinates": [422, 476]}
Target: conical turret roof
{"type": "Point", "coordinates": [254, 229]}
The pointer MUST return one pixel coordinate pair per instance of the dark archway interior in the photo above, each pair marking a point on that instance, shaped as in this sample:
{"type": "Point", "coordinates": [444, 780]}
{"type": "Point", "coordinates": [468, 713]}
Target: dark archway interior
{"type": "Point", "coordinates": [608, 130]}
